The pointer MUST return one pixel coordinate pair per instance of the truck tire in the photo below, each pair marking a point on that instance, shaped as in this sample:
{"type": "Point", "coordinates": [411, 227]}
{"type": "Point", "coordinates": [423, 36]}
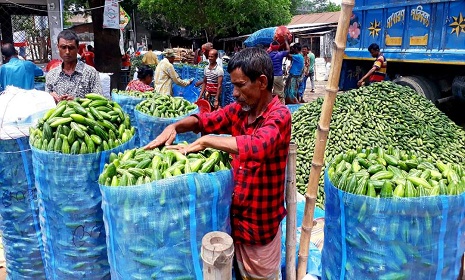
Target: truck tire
{"type": "Point", "coordinates": [432, 90]}
{"type": "Point", "coordinates": [414, 83]}
{"type": "Point", "coordinates": [458, 87]}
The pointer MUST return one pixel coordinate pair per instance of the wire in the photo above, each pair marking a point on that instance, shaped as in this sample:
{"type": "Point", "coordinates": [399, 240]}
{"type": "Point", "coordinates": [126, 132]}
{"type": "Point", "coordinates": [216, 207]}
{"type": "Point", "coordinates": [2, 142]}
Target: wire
{"type": "Point", "coordinates": [40, 10]}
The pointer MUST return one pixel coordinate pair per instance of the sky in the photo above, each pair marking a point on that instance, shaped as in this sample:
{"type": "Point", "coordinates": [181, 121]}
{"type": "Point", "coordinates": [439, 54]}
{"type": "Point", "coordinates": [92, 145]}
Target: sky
{"type": "Point", "coordinates": [336, 1]}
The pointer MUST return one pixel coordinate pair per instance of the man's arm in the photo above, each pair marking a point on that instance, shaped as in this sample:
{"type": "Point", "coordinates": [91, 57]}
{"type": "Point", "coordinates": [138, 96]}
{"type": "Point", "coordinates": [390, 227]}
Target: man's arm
{"type": "Point", "coordinates": [38, 71]}
{"type": "Point", "coordinates": [174, 76]}
{"type": "Point", "coordinates": [94, 83]}
{"type": "Point", "coordinates": [204, 83]}
{"type": "Point", "coordinates": [367, 75]}
{"type": "Point", "coordinates": [286, 45]}
{"type": "Point", "coordinates": [168, 135]}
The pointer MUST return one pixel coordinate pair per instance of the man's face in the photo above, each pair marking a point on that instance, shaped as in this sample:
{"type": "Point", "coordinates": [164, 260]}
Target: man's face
{"type": "Point", "coordinates": [171, 59]}
{"type": "Point", "coordinates": [246, 92]}
{"type": "Point", "coordinates": [68, 50]}
{"type": "Point", "coordinates": [212, 55]}
{"type": "Point", "coordinates": [374, 53]}
{"type": "Point", "coordinates": [304, 51]}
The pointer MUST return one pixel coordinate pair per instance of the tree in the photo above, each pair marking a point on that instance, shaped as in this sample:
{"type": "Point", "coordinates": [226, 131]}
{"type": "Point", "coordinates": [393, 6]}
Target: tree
{"type": "Point", "coordinates": [106, 41]}
{"type": "Point", "coordinates": [317, 6]}
{"type": "Point", "coordinates": [220, 17]}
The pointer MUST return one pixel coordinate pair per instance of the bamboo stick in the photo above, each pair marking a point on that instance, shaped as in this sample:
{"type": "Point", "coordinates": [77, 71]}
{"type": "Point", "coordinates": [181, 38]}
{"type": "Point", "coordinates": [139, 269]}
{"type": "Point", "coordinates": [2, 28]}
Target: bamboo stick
{"type": "Point", "coordinates": [291, 223]}
{"type": "Point", "coordinates": [322, 134]}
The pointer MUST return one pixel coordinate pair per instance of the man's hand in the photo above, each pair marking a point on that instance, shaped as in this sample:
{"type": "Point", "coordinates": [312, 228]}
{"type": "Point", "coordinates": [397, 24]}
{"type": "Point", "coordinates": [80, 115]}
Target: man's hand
{"type": "Point", "coordinates": [198, 83]}
{"type": "Point", "coordinates": [207, 95]}
{"type": "Point", "coordinates": [215, 104]}
{"type": "Point", "coordinates": [67, 97]}
{"type": "Point", "coordinates": [360, 83]}
{"type": "Point", "coordinates": [165, 138]}
{"type": "Point", "coordinates": [196, 146]}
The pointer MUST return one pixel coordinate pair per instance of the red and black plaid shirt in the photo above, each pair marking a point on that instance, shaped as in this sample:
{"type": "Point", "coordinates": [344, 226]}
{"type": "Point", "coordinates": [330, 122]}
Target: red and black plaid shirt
{"type": "Point", "coordinates": [259, 169]}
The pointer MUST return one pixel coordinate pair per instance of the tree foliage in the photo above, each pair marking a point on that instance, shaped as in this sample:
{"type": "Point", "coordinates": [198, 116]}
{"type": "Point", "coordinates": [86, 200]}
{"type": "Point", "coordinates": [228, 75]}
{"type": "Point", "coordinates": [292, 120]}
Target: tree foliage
{"type": "Point", "coordinates": [316, 6]}
{"type": "Point", "coordinates": [220, 17]}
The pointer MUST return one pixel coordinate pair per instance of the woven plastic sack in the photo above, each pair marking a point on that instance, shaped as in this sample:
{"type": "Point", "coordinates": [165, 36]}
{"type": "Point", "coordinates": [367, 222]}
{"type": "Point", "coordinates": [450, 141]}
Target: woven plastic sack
{"type": "Point", "coordinates": [190, 92]}
{"type": "Point", "coordinates": [155, 231]}
{"type": "Point", "coordinates": [128, 103]}
{"type": "Point", "coordinates": [294, 107]}
{"type": "Point", "coordinates": [150, 127]}
{"type": "Point", "coordinates": [71, 216]}
{"type": "Point", "coordinates": [19, 211]}
{"type": "Point", "coordinates": [403, 238]}
{"type": "Point", "coordinates": [314, 255]}
{"type": "Point", "coordinates": [227, 92]}
{"type": "Point", "coordinates": [262, 37]}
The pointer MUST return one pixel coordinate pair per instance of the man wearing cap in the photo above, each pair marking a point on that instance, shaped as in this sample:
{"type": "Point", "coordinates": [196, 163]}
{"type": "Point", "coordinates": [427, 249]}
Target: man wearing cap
{"type": "Point", "coordinates": [165, 74]}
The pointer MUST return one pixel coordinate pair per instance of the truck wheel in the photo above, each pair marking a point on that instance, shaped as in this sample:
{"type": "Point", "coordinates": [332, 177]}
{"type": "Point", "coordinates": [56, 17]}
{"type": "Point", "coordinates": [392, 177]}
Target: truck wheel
{"type": "Point", "coordinates": [430, 87]}
{"type": "Point", "coordinates": [414, 83]}
{"type": "Point", "coordinates": [458, 87]}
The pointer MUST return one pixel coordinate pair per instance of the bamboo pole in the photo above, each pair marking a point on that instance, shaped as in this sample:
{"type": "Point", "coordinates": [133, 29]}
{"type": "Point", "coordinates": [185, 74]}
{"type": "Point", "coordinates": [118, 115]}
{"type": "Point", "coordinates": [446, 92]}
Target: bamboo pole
{"type": "Point", "coordinates": [322, 134]}
{"type": "Point", "coordinates": [291, 223]}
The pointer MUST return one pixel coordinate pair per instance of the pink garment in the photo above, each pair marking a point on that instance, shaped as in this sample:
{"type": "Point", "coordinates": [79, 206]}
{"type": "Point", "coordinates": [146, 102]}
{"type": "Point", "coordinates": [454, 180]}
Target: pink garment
{"type": "Point", "coordinates": [260, 262]}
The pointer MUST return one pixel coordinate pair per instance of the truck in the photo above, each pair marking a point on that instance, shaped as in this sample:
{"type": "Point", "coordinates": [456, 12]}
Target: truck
{"type": "Point", "coordinates": [422, 41]}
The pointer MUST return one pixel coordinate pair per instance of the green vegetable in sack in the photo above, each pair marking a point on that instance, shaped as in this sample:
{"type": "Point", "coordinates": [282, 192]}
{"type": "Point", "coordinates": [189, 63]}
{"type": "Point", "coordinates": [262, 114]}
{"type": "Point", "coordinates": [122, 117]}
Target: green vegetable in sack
{"type": "Point", "coordinates": [84, 125]}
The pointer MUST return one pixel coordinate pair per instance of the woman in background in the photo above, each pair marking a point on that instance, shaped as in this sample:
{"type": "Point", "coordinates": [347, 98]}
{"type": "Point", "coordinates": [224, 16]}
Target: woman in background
{"type": "Point", "coordinates": [144, 79]}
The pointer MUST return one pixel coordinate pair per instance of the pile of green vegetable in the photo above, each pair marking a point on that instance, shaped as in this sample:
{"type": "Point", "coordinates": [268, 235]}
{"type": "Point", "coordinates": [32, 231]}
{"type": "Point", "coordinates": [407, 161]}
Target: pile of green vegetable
{"type": "Point", "coordinates": [139, 166]}
{"type": "Point", "coordinates": [380, 115]}
{"type": "Point", "coordinates": [165, 106]}
{"type": "Point", "coordinates": [394, 173]}
{"type": "Point", "coordinates": [137, 94]}
{"type": "Point", "coordinates": [84, 125]}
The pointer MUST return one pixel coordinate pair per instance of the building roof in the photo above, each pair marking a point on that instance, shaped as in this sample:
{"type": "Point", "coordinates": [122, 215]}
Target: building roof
{"type": "Point", "coordinates": [329, 17]}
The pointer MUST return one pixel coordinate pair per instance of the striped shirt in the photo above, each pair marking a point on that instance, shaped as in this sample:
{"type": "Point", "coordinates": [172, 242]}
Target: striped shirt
{"type": "Point", "coordinates": [165, 75]}
{"type": "Point", "coordinates": [212, 77]}
{"type": "Point", "coordinates": [381, 67]}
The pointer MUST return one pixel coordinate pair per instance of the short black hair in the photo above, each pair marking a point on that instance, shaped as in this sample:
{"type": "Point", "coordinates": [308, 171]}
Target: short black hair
{"type": "Point", "coordinates": [275, 43]}
{"type": "Point", "coordinates": [68, 35]}
{"type": "Point", "coordinates": [144, 71]}
{"type": "Point", "coordinates": [373, 47]}
{"type": "Point", "coordinates": [89, 47]}
{"type": "Point", "coordinates": [149, 46]}
{"type": "Point", "coordinates": [253, 62]}
{"type": "Point", "coordinates": [305, 46]}
{"type": "Point", "coordinates": [297, 46]}
{"type": "Point", "coordinates": [8, 50]}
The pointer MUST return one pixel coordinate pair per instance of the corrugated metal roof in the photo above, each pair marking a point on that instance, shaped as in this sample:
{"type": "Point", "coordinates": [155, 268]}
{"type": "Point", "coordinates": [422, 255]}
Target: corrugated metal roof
{"type": "Point", "coordinates": [329, 17]}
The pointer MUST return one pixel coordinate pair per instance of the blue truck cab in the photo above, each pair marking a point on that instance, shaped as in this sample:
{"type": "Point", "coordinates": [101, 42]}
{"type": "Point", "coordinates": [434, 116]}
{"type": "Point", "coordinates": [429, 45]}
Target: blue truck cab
{"type": "Point", "coordinates": [423, 42]}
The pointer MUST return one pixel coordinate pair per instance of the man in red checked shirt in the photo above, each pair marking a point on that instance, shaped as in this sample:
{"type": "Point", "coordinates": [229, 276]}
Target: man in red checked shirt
{"type": "Point", "coordinates": [260, 128]}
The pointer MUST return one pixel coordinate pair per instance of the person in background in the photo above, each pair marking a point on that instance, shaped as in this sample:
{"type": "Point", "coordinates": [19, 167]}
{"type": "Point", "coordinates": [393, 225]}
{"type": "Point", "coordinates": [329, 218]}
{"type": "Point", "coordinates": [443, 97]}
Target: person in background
{"type": "Point", "coordinates": [126, 61]}
{"type": "Point", "coordinates": [260, 129]}
{"type": "Point", "coordinates": [378, 72]}
{"type": "Point", "coordinates": [150, 58]}
{"type": "Point", "coordinates": [309, 71]}
{"type": "Point", "coordinates": [165, 74]}
{"type": "Point", "coordinates": [277, 59]}
{"type": "Point", "coordinates": [144, 79]}
{"type": "Point", "coordinates": [88, 56]}
{"type": "Point", "coordinates": [295, 75]}
{"type": "Point", "coordinates": [206, 50]}
{"type": "Point", "coordinates": [212, 81]}
{"type": "Point", "coordinates": [72, 78]}
{"type": "Point", "coordinates": [16, 72]}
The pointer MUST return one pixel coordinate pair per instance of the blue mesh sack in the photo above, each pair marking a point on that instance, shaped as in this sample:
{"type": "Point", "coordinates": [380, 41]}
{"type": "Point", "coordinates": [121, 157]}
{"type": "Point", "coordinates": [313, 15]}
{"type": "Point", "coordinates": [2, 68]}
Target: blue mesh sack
{"type": "Point", "coordinates": [179, 69]}
{"type": "Point", "coordinates": [155, 231]}
{"type": "Point", "coordinates": [71, 217]}
{"type": "Point", "coordinates": [262, 37]}
{"type": "Point", "coordinates": [386, 238]}
{"type": "Point", "coordinates": [294, 107]}
{"type": "Point", "coordinates": [20, 211]}
{"type": "Point", "coordinates": [190, 92]}
{"type": "Point", "coordinates": [150, 127]}
{"type": "Point", "coordinates": [128, 103]}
